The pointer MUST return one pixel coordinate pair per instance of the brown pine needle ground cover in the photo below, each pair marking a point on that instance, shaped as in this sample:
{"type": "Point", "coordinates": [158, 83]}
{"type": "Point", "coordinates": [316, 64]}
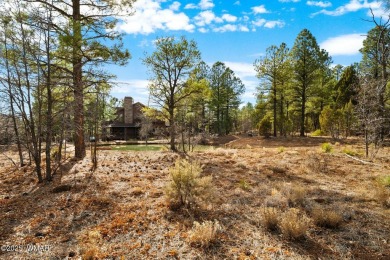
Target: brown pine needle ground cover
{"type": "Point", "coordinates": [120, 211]}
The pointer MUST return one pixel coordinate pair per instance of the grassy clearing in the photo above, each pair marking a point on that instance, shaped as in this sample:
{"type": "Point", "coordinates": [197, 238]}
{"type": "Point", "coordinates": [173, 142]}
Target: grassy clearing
{"type": "Point", "coordinates": [153, 147]}
{"type": "Point", "coordinates": [135, 147]}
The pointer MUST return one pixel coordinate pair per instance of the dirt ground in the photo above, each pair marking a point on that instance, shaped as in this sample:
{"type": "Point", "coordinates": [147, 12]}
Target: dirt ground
{"type": "Point", "coordinates": [120, 211]}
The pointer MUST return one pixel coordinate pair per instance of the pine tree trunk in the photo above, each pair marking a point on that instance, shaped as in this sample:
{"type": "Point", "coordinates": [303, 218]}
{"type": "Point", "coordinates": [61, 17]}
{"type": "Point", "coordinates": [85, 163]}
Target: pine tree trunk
{"type": "Point", "coordinates": [78, 90]}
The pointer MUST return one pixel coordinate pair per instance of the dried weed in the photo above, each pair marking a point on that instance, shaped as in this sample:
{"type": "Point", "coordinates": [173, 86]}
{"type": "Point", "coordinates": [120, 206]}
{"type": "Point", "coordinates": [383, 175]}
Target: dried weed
{"type": "Point", "coordinates": [293, 224]}
{"type": "Point", "coordinates": [203, 235]}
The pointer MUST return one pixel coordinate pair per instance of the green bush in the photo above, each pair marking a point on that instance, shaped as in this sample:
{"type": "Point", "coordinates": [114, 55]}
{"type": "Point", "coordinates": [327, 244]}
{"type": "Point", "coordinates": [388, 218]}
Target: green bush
{"type": "Point", "coordinates": [350, 152]}
{"type": "Point", "coordinates": [317, 132]}
{"type": "Point", "coordinates": [327, 147]}
{"type": "Point", "coordinates": [385, 181]}
{"type": "Point", "coordinates": [186, 186]}
{"type": "Point", "coordinates": [265, 126]}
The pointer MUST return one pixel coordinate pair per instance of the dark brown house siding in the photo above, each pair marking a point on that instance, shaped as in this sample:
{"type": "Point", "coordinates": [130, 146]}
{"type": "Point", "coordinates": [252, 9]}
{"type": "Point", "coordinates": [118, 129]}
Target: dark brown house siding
{"type": "Point", "coordinates": [127, 123]}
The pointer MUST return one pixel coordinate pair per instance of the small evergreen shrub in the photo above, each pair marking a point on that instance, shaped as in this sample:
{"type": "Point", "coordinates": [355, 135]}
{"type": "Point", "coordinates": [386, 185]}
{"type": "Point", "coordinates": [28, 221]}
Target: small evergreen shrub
{"type": "Point", "coordinates": [187, 187]}
{"type": "Point", "coordinates": [350, 152]}
{"type": "Point", "coordinates": [317, 132]}
{"type": "Point", "coordinates": [244, 185]}
{"type": "Point", "coordinates": [281, 149]}
{"type": "Point", "coordinates": [327, 147]}
{"type": "Point", "coordinates": [385, 181]}
{"type": "Point", "coordinates": [265, 126]}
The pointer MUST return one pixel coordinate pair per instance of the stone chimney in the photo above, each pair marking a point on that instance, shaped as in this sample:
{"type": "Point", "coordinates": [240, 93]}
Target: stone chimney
{"type": "Point", "coordinates": [128, 107]}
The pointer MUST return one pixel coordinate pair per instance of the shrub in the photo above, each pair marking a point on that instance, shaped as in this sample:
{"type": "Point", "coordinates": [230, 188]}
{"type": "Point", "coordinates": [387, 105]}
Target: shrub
{"type": "Point", "coordinates": [293, 224]}
{"type": "Point", "coordinates": [385, 181]}
{"type": "Point", "coordinates": [244, 185]}
{"type": "Point", "coordinates": [270, 217]}
{"type": "Point", "coordinates": [281, 149]}
{"type": "Point", "coordinates": [350, 152]}
{"type": "Point", "coordinates": [186, 186]}
{"type": "Point", "coordinates": [276, 200]}
{"type": "Point", "coordinates": [326, 218]}
{"type": "Point", "coordinates": [265, 126]}
{"type": "Point", "coordinates": [317, 132]}
{"type": "Point", "coordinates": [327, 147]}
{"type": "Point", "coordinates": [332, 121]}
{"type": "Point", "coordinates": [296, 195]}
{"type": "Point", "coordinates": [382, 192]}
{"type": "Point", "coordinates": [204, 234]}
{"type": "Point", "coordinates": [317, 163]}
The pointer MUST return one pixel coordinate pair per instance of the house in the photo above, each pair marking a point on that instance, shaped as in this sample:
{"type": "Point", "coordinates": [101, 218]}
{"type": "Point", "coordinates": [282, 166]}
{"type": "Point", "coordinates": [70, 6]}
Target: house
{"type": "Point", "coordinates": [127, 122]}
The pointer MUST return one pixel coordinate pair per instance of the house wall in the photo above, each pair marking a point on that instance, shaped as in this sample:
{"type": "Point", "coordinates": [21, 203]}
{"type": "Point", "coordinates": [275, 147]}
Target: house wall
{"type": "Point", "coordinates": [128, 110]}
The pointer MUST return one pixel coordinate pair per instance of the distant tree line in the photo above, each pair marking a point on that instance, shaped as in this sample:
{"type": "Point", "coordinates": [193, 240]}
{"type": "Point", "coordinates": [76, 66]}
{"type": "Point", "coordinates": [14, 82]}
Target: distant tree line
{"type": "Point", "coordinates": [301, 91]}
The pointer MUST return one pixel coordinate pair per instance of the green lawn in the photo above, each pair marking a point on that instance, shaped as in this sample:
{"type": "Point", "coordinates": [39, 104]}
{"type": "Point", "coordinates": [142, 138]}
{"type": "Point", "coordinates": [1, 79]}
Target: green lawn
{"type": "Point", "coordinates": [134, 147]}
{"type": "Point", "coordinates": [142, 147]}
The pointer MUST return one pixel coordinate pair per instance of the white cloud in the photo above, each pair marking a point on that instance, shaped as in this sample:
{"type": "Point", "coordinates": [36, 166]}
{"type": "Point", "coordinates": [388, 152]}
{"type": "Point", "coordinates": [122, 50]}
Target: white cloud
{"type": "Point", "coordinates": [136, 88]}
{"type": "Point", "coordinates": [237, 3]}
{"type": "Point", "coordinates": [226, 28]}
{"type": "Point", "coordinates": [229, 18]}
{"type": "Point", "coordinates": [242, 69]}
{"type": "Point", "coordinates": [190, 6]}
{"type": "Point", "coordinates": [273, 24]}
{"type": "Point", "coordinates": [203, 30]}
{"type": "Point", "coordinates": [259, 22]}
{"type": "Point", "coordinates": [203, 4]}
{"type": "Point", "coordinates": [259, 9]}
{"type": "Point", "coordinates": [247, 74]}
{"type": "Point", "coordinates": [206, 17]}
{"type": "Point", "coordinates": [319, 3]}
{"type": "Point", "coordinates": [150, 17]}
{"type": "Point", "coordinates": [352, 6]}
{"type": "Point", "coordinates": [175, 6]}
{"type": "Point", "coordinates": [268, 24]}
{"type": "Point", "coordinates": [206, 4]}
{"type": "Point", "coordinates": [243, 28]}
{"type": "Point", "coordinates": [348, 44]}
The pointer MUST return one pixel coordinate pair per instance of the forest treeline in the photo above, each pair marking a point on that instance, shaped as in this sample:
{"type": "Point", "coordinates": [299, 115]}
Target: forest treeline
{"type": "Point", "coordinates": [53, 85]}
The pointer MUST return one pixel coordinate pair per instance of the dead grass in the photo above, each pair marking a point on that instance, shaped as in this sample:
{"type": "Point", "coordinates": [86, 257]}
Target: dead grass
{"type": "Point", "coordinates": [382, 193]}
{"type": "Point", "coordinates": [328, 218]}
{"type": "Point", "coordinates": [120, 211]}
{"type": "Point", "coordinates": [293, 224]}
{"type": "Point", "coordinates": [295, 194]}
{"type": "Point", "coordinates": [204, 234]}
{"type": "Point", "coordinates": [270, 218]}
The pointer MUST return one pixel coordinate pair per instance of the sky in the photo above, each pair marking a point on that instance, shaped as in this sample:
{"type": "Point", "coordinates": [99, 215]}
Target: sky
{"type": "Point", "coordinates": [237, 32]}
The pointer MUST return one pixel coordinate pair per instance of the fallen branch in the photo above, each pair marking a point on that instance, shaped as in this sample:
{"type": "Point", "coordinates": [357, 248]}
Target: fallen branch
{"type": "Point", "coordinates": [9, 158]}
{"type": "Point", "coordinates": [359, 160]}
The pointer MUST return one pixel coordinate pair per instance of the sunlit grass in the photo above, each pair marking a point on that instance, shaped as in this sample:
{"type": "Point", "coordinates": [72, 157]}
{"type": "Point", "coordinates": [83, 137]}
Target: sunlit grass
{"type": "Point", "coordinates": [143, 147]}
{"type": "Point", "coordinates": [137, 147]}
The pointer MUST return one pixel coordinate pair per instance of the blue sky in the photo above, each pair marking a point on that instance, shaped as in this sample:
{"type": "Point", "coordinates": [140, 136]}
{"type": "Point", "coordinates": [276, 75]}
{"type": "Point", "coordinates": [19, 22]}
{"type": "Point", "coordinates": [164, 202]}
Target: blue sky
{"type": "Point", "coordinates": [238, 33]}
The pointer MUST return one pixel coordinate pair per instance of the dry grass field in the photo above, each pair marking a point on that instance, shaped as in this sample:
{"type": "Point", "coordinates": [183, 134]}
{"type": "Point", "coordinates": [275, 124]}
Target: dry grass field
{"type": "Point", "coordinates": [278, 198]}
